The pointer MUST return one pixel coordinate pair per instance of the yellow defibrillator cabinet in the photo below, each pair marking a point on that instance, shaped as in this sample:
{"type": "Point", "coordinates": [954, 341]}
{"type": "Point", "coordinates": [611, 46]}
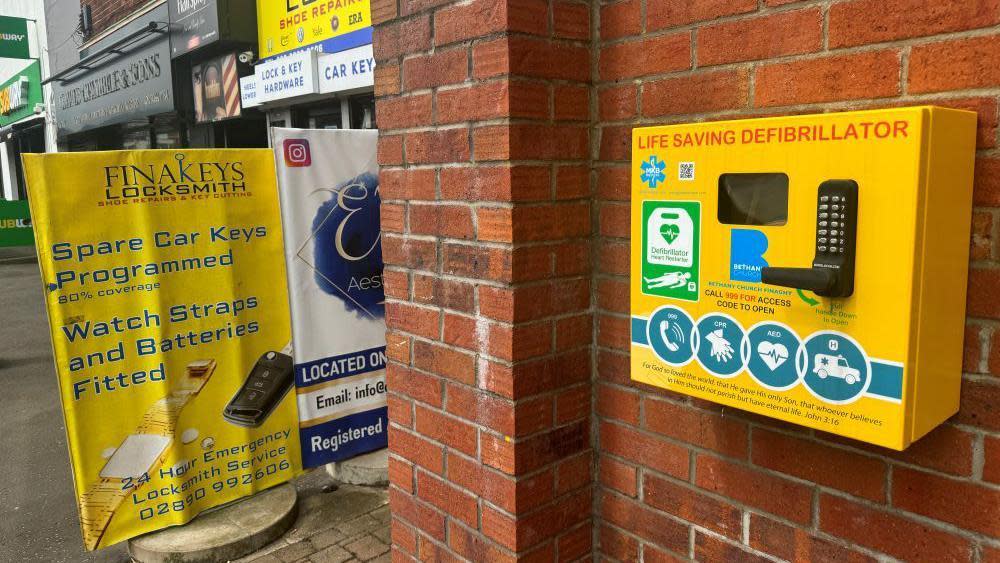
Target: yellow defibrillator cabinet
{"type": "Point", "coordinates": [808, 268]}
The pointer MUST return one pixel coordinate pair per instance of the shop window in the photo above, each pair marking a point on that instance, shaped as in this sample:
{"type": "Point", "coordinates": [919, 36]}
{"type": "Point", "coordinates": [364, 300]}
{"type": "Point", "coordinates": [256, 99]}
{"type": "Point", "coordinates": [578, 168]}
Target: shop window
{"type": "Point", "coordinates": [362, 108]}
{"type": "Point", "coordinates": [136, 135]}
{"type": "Point", "coordinates": [167, 132]}
{"type": "Point", "coordinates": [326, 118]}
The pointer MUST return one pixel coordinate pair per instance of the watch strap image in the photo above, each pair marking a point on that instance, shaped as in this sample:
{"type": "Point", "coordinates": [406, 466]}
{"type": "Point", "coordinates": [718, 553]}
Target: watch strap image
{"type": "Point", "coordinates": [140, 452]}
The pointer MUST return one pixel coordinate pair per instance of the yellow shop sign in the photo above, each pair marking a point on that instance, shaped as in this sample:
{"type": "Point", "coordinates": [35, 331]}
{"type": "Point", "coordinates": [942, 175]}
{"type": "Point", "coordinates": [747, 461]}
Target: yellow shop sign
{"type": "Point", "coordinates": [164, 280]}
{"type": "Point", "coordinates": [809, 268]}
{"type": "Point", "coordinates": [328, 26]}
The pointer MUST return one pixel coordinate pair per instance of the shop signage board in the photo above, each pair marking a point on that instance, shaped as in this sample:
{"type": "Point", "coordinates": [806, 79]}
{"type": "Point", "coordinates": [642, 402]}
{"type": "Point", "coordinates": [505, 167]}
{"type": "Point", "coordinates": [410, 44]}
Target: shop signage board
{"type": "Point", "coordinates": [171, 332]}
{"type": "Point", "coordinates": [309, 73]}
{"type": "Point", "coordinates": [808, 268]}
{"type": "Point", "coordinates": [20, 94]}
{"type": "Point", "coordinates": [328, 26]}
{"type": "Point", "coordinates": [194, 23]}
{"type": "Point", "coordinates": [248, 92]}
{"type": "Point", "coordinates": [328, 181]}
{"type": "Point", "coordinates": [216, 87]}
{"type": "Point", "coordinates": [197, 23]}
{"type": "Point", "coordinates": [347, 70]}
{"type": "Point", "coordinates": [136, 84]}
{"type": "Point", "coordinates": [15, 224]}
{"type": "Point", "coordinates": [286, 77]}
{"type": "Point", "coordinates": [14, 42]}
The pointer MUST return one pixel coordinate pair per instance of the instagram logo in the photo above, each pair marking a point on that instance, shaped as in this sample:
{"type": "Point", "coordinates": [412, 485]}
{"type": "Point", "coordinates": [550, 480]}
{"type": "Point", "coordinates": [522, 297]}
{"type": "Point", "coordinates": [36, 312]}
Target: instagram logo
{"type": "Point", "coordinates": [297, 152]}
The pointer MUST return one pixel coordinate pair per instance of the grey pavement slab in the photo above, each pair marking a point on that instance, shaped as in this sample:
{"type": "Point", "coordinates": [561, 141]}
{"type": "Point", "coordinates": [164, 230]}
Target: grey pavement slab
{"type": "Point", "coordinates": [225, 533]}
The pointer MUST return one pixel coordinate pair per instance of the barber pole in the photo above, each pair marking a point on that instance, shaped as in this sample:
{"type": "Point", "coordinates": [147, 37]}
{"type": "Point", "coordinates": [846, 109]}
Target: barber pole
{"type": "Point", "coordinates": [231, 86]}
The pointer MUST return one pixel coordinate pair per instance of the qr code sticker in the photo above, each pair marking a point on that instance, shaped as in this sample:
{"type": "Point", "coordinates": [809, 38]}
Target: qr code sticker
{"type": "Point", "coordinates": [685, 171]}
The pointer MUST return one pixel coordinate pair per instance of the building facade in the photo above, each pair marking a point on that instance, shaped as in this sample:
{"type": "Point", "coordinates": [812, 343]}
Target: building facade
{"type": "Point", "coordinates": [25, 122]}
{"type": "Point", "coordinates": [137, 79]}
{"type": "Point", "coordinates": [176, 73]}
{"type": "Point", "coordinates": [316, 66]}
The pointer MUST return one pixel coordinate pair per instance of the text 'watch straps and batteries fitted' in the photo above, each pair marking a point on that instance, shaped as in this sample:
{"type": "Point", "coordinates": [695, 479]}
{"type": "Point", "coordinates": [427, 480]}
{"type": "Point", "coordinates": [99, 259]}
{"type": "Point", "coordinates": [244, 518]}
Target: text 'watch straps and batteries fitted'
{"type": "Point", "coordinates": [140, 452]}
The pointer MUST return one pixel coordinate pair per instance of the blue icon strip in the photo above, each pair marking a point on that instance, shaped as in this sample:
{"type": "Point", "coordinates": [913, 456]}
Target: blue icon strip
{"type": "Point", "coordinates": [887, 381]}
{"type": "Point", "coordinates": [887, 377]}
{"type": "Point", "coordinates": [639, 331]}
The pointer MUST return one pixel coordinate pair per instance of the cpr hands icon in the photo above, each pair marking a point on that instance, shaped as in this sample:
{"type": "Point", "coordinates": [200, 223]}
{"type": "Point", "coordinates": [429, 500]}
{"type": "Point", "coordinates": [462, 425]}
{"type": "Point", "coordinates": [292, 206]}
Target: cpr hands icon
{"type": "Point", "coordinates": [721, 350]}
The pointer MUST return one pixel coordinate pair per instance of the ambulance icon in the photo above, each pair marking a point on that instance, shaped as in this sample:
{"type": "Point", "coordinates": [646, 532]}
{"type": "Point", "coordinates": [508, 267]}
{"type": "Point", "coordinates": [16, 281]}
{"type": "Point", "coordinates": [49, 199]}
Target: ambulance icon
{"type": "Point", "coordinates": [826, 365]}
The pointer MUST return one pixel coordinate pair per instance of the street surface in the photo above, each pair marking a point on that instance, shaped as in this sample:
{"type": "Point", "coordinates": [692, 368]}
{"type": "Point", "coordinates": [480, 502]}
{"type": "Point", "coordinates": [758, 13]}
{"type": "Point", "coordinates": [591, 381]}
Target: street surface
{"type": "Point", "coordinates": [39, 523]}
{"type": "Point", "coordinates": [39, 520]}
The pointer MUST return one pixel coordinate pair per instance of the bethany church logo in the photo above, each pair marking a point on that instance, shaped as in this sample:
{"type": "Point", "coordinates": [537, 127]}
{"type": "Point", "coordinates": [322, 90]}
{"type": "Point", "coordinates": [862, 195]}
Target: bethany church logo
{"type": "Point", "coordinates": [653, 171]}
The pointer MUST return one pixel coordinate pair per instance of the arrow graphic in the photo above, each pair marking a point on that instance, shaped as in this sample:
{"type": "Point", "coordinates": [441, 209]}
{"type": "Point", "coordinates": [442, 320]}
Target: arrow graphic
{"type": "Point", "coordinates": [809, 300]}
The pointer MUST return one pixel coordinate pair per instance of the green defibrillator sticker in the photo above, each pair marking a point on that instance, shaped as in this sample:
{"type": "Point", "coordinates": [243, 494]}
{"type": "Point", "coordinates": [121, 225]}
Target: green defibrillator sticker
{"type": "Point", "coordinates": [671, 243]}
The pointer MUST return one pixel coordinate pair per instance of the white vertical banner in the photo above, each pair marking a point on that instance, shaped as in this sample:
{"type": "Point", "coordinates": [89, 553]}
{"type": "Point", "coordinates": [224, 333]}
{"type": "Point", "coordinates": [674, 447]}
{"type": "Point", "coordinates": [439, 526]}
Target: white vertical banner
{"type": "Point", "coordinates": [328, 181]}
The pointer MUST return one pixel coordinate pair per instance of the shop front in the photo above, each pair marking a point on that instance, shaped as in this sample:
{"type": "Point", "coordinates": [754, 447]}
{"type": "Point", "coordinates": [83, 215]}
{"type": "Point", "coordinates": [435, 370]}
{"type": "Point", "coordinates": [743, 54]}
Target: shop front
{"type": "Point", "coordinates": [121, 95]}
{"type": "Point", "coordinates": [212, 44]}
{"type": "Point", "coordinates": [317, 68]}
{"type": "Point", "coordinates": [22, 126]}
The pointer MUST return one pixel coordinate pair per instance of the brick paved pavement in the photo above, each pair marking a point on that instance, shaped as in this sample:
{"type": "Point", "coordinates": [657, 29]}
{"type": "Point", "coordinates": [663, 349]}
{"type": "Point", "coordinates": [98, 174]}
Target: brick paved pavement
{"type": "Point", "coordinates": [347, 525]}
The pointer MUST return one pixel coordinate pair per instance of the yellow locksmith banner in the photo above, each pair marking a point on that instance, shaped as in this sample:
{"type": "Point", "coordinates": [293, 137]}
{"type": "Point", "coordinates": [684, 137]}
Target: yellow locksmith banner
{"type": "Point", "coordinates": [328, 26]}
{"type": "Point", "coordinates": [164, 280]}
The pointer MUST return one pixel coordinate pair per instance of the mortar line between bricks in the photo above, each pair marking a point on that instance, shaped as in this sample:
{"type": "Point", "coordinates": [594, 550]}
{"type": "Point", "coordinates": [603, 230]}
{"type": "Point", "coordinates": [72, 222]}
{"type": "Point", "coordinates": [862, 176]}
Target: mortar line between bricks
{"type": "Point", "coordinates": [490, 204]}
{"type": "Point", "coordinates": [979, 458]}
{"type": "Point", "coordinates": [971, 535]}
{"type": "Point", "coordinates": [692, 542]}
{"type": "Point", "coordinates": [831, 52]}
{"type": "Point", "coordinates": [904, 70]}
{"type": "Point", "coordinates": [743, 547]}
{"type": "Point", "coordinates": [515, 403]}
{"type": "Point", "coordinates": [473, 281]}
{"type": "Point", "coordinates": [842, 542]}
{"type": "Point", "coordinates": [506, 362]}
{"type": "Point", "coordinates": [745, 527]}
{"type": "Point", "coordinates": [482, 429]}
{"type": "Point", "coordinates": [735, 413]}
{"type": "Point", "coordinates": [759, 13]}
{"type": "Point", "coordinates": [824, 10]}
{"type": "Point", "coordinates": [889, 462]}
{"type": "Point", "coordinates": [494, 245]}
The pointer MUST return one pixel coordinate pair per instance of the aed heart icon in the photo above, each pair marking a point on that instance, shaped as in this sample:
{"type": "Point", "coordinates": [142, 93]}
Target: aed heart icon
{"type": "Point", "coordinates": [772, 354]}
{"type": "Point", "coordinates": [670, 233]}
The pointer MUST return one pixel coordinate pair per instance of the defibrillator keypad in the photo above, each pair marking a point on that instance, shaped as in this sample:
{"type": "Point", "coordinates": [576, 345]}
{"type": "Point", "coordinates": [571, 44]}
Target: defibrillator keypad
{"type": "Point", "coordinates": [832, 272]}
{"type": "Point", "coordinates": [836, 210]}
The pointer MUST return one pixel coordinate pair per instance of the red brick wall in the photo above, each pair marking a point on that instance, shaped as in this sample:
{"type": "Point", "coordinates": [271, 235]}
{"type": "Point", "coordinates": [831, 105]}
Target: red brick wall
{"type": "Point", "coordinates": [483, 109]}
{"type": "Point", "coordinates": [106, 13]}
{"type": "Point", "coordinates": [679, 478]}
{"type": "Point", "coordinates": [504, 150]}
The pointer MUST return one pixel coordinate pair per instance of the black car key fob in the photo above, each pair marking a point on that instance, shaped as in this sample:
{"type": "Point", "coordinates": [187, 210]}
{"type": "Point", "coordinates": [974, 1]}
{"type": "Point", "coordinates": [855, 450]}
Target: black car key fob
{"type": "Point", "coordinates": [271, 377]}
